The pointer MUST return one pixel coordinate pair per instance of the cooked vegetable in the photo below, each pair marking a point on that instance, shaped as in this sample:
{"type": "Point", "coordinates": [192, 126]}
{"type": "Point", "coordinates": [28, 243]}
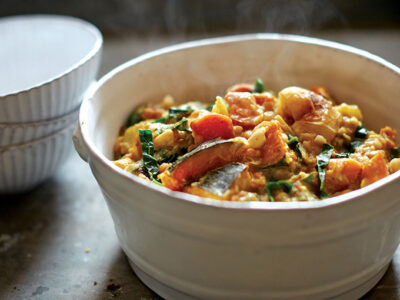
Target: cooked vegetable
{"type": "Point", "coordinates": [345, 154]}
{"type": "Point", "coordinates": [150, 163]}
{"type": "Point", "coordinates": [250, 145]}
{"type": "Point", "coordinates": [160, 120]}
{"type": "Point", "coordinates": [394, 152]}
{"type": "Point", "coordinates": [178, 112]}
{"type": "Point", "coordinates": [277, 185]}
{"type": "Point", "coordinates": [194, 164]}
{"type": "Point", "coordinates": [136, 116]}
{"type": "Point", "coordinates": [295, 145]}
{"type": "Point", "coordinates": [322, 162]}
{"type": "Point", "coordinates": [212, 126]}
{"type": "Point", "coordinates": [259, 86]}
{"type": "Point", "coordinates": [275, 147]}
{"type": "Point", "coordinates": [341, 173]}
{"type": "Point", "coordinates": [309, 178]}
{"type": "Point", "coordinates": [361, 132]}
{"type": "Point", "coordinates": [219, 180]}
{"type": "Point", "coordinates": [244, 110]}
{"type": "Point", "coordinates": [354, 145]}
{"type": "Point", "coordinates": [374, 170]}
{"type": "Point", "coordinates": [182, 125]}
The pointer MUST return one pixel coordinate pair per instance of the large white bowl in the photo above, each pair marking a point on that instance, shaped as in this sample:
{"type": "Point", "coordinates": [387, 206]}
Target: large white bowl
{"type": "Point", "coordinates": [20, 133]}
{"type": "Point", "coordinates": [183, 246]}
{"type": "Point", "coordinates": [25, 166]}
{"type": "Point", "coordinates": [47, 63]}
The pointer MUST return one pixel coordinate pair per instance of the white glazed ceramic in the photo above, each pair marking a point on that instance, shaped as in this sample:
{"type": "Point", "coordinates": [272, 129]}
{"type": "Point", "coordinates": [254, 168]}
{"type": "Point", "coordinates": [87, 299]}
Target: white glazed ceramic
{"type": "Point", "coordinates": [47, 63]}
{"type": "Point", "coordinates": [25, 166]}
{"type": "Point", "coordinates": [20, 133]}
{"type": "Point", "coordinates": [183, 246]}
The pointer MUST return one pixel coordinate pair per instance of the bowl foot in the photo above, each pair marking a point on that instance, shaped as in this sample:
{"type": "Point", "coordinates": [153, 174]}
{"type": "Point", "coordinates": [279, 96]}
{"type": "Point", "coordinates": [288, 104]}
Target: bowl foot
{"type": "Point", "coordinates": [169, 292]}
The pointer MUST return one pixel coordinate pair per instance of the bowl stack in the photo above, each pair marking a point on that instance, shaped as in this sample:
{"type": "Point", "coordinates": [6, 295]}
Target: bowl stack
{"type": "Point", "coordinates": [47, 64]}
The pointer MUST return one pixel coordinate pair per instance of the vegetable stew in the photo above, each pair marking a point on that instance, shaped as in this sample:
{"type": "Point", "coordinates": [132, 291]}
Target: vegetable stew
{"type": "Point", "coordinates": [252, 145]}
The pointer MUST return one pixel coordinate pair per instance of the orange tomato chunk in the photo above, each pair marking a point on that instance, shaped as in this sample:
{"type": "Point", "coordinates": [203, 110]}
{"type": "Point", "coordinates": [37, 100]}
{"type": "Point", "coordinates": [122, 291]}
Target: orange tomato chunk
{"type": "Point", "coordinates": [244, 110]}
{"type": "Point", "coordinates": [212, 126]}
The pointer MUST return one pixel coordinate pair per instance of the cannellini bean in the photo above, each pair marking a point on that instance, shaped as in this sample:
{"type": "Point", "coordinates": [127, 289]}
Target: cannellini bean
{"type": "Point", "coordinates": [220, 107]}
{"type": "Point", "coordinates": [164, 139]}
{"type": "Point", "coordinates": [257, 139]}
{"type": "Point", "coordinates": [167, 102]}
{"type": "Point", "coordinates": [319, 139]}
{"type": "Point", "coordinates": [394, 165]}
{"type": "Point", "coordinates": [349, 111]}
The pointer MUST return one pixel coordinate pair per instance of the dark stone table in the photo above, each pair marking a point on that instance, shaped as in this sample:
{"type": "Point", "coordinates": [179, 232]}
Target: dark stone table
{"type": "Point", "coordinates": [58, 241]}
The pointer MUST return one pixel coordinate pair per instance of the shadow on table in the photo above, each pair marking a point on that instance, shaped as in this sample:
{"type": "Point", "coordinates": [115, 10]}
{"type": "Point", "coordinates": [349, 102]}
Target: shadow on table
{"type": "Point", "coordinates": [123, 282]}
{"type": "Point", "coordinates": [387, 287]}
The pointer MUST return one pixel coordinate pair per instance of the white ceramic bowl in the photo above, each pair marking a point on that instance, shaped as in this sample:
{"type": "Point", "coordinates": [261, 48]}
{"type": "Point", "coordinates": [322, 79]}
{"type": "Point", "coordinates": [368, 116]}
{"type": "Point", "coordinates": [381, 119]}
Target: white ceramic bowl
{"type": "Point", "coordinates": [47, 63]}
{"type": "Point", "coordinates": [183, 246]}
{"type": "Point", "coordinates": [25, 166]}
{"type": "Point", "coordinates": [20, 133]}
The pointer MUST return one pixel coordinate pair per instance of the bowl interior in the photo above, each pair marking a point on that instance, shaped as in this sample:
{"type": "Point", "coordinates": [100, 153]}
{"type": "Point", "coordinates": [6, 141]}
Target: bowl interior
{"type": "Point", "coordinates": [39, 48]}
{"type": "Point", "coordinates": [202, 70]}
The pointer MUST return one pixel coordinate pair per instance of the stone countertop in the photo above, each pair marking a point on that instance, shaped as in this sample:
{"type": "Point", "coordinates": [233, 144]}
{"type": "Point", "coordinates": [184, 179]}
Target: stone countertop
{"type": "Point", "coordinates": [58, 241]}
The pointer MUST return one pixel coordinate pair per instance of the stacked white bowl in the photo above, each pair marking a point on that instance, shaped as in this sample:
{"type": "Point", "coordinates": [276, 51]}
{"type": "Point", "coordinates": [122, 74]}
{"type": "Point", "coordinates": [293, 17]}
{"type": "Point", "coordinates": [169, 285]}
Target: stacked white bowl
{"type": "Point", "coordinates": [46, 65]}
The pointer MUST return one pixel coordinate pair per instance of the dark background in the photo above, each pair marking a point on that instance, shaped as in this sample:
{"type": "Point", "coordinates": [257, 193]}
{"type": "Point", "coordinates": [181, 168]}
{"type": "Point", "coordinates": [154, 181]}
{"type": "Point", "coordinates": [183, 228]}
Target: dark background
{"type": "Point", "coordinates": [115, 17]}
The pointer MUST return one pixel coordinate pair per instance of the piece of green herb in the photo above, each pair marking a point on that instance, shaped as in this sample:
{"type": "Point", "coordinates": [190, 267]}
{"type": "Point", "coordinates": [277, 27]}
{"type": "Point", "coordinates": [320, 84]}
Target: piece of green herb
{"type": "Point", "coordinates": [150, 163]}
{"type": "Point", "coordinates": [309, 178]}
{"type": "Point", "coordinates": [160, 120]}
{"type": "Point", "coordinates": [354, 145]}
{"type": "Point", "coordinates": [157, 182]}
{"type": "Point", "coordinates": [345, 154]}
{"type": "Point", "coordinates": [361, 132]}
{"type": "Point", "coordinates": [295, 145]}
{"type": "Point", "coordinates": [210, 106]}
{"type": "Point", "coordinates": [324, 195]}
{"type": "Point", "coordinates": [277, 185]}
{"type": "Point", "coordinates": [259, 86]}
{"type": "Point", "coordinates": [322, 162]}
{"type": "Point", "coordinates": [178, 112]}
{"type": "Point", "coordinates": [136, 116]}
{"type": "Point", "coordinates": [395, 152]}
{"type": "Point", "coordinates": [279, 164]}
{"type": "Point", "coordinates": [182, 125]}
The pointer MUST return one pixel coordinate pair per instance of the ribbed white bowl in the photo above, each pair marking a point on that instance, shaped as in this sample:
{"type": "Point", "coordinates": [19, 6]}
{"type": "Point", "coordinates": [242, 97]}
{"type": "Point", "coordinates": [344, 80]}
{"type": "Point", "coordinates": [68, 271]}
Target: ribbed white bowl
{"type": "Point", "coordinates": [47, 63]}
{"type": "Point", "coordinates": [13, 134]}
{"type": "Point", "coordinates": [25, 166]}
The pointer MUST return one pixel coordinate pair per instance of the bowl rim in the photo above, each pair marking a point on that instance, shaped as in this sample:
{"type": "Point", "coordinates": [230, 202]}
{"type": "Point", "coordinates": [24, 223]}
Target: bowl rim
{"type": "Point", "coordinates": [85, 25]}
{"type": "Point", "coordinates": [251, 205]}
{"type": "Point", "coordinates": [42, 122]}
{"type": "Point", "coordinates": [37, 141]}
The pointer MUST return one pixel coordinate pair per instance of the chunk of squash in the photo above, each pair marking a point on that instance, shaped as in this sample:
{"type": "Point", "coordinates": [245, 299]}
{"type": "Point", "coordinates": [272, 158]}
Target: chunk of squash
{"type": "Point", "coordinates": [206, 157]}
{"type": "Point", "coordinates": [275, 146]}
{"type": "Point", "coordinates": [217, 181]}
{"type": "Point", "coordinates": [374, 169]}
{"type": "Point", "coordinates": [341, 173]}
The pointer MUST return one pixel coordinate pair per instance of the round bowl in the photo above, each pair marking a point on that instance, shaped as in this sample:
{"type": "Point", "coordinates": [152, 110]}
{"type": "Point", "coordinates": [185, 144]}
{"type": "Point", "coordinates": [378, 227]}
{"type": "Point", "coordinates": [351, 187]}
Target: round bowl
{"type": "Point", "coordinates": [25, 166]}
{"type": "Point", "coordinates": [12, 134]}
{"type": "Point", "coordinates": [47, 63]}
{"type": "Point", "coordinates": [183, 246]}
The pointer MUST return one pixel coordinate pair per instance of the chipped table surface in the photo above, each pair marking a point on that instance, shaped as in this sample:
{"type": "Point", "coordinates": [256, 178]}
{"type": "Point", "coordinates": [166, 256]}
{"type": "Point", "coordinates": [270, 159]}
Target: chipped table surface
{"type": "Point", "coordinates": [58, 242]}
